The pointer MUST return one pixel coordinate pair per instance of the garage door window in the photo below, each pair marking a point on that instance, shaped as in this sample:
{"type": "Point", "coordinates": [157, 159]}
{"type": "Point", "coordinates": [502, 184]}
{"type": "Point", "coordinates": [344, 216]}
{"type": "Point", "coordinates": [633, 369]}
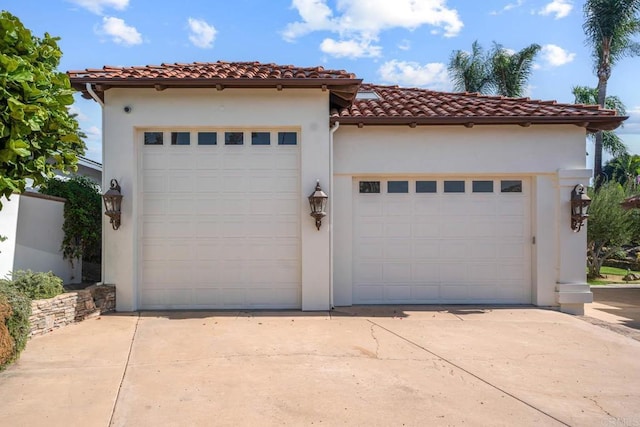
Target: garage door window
{"type": "Point", "coordinates": [287, 138]}
{"type": "Point", "coordinates": [454, 186]}
{"type": "Point", "coordinates": [180, 138]}
{"type": "Point", "coordinates": [233, 138]}
{"type": "Point", "coordinates": [482, 186]}
{"type": "Point", "coordinates": [397, 186]}
{"type": "Point", "coordinates": [207, 138]}
{"type": "Point", "coordinates": [426, 187]}
{"type": "Point", "coordinates": [369, 186]}
{"type": "Point", "coordinates": [260, 138]}
{"type": "Point", "coordinates": [511, 186]}
{"type": "Point", "coordinates": [153, 138]}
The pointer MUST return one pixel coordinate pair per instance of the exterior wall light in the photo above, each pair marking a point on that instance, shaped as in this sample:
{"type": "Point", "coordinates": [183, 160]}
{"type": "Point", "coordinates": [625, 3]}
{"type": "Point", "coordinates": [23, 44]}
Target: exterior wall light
{"type": "Point", "coordinates": [318, 202]}
{"type": "Point", "coordinates": [579, 206]}
{"type": "Point", "coordinates": [113, 203]}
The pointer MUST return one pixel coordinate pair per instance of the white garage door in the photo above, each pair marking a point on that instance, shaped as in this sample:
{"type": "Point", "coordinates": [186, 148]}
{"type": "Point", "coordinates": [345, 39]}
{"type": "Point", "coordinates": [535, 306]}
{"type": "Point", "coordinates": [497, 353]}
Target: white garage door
{"type": "Point", "coordinates": [457, 240]}
{"type": "Point", "coordinates": [220, 220]}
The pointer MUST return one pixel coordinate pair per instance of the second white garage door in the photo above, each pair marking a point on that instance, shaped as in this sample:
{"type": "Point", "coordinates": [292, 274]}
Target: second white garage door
{"type": "Point", "coordinates": [220, 220]}
{"type": "Point", "coordinates": [434, 240]}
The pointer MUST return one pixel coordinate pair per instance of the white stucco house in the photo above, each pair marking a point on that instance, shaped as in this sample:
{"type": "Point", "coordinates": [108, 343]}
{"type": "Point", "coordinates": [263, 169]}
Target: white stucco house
{"type": "Point", "coordinates": [434, 198]}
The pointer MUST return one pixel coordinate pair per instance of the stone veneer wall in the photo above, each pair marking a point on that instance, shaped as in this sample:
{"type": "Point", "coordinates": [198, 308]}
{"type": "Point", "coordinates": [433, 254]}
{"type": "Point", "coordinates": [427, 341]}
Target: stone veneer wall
{"type": "Point", "coordinates": [71, 307]}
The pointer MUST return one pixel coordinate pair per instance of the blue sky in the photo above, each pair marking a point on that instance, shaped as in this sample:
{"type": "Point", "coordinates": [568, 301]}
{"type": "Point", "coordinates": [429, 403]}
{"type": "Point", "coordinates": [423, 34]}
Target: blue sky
{"type": "Point", "coordinates": [405, 42]}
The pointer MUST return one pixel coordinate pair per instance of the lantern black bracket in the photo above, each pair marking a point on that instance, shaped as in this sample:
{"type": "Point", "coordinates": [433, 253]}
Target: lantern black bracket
{"type": "Point", "coordinates": [579, 206]}
{"type": "Point", "coordinates": [318, 203]}
{"type": "Point", "coordinates": [113, 203]}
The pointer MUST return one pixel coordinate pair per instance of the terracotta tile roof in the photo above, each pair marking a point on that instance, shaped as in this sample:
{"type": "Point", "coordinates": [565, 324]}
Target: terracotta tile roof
{"type": "Point", "coordinates": [207, 70]}
{"type": "Point", "coordinates": [341, 84]}
{"type": "Point", "coordinates": [395, 106]}
{"type": "Point", "coordinates": [413, 106]}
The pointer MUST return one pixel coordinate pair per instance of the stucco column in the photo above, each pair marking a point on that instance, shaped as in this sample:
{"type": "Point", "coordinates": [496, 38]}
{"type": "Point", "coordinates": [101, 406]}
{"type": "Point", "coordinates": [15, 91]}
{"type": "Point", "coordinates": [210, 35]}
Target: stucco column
{"type": "Point", "coordinates": [314, 166]}
{"type": "Point", "coordinates": [572, 289]}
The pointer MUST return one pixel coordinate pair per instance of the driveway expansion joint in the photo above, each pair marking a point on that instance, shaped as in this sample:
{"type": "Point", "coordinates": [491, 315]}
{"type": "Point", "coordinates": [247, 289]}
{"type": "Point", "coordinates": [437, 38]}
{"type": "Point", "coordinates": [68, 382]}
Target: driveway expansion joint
{"type": "Point", "coordinates": [451, 363]}
{"type": "Point", "coordinates": [124, 372]}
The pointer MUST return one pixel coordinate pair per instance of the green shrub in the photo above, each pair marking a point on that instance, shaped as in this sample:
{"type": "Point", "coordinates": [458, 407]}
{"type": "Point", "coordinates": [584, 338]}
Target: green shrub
{"type": "Point", "coordinates": [17, 323]}
{"type": "Point", "coordinates": [36, 285]}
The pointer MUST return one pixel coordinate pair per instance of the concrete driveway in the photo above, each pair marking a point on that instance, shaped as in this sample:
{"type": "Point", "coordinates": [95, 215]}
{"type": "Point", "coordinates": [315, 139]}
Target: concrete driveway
{"type": "Point", "coordinates": [616, 304]}
{"type": "Point", "coordinates": [386, 366]}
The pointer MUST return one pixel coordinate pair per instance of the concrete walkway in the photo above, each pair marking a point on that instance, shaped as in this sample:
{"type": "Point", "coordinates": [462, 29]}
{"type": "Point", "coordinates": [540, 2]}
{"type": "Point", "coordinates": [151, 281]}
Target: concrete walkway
{"type": "Point", "coordinates": [382, 366]}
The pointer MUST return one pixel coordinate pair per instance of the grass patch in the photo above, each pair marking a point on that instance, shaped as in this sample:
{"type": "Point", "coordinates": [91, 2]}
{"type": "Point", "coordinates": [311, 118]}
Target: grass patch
{"type": "Point", "coordinates": [612, 275]}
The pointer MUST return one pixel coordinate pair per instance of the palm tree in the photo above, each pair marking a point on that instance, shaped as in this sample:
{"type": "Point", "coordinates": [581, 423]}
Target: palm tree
{"type": "Point", "coordinates": [611, 142]}
{"type": "Point", "coordinates": [624, 169]}
{"type": "Point", "coordinates": [510, 71]}
{"type": "Point", "coordinates": [470, 72]}
{"type": "Point", "coordinates": [609, 26]}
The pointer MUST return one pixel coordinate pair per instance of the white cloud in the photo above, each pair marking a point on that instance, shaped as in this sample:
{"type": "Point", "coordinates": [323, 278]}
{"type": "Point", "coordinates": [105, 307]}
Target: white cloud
{"type": "Point", "coordinates": [350, 48]}
{"type": "Point", "coordinates": [433, 75]}
{"type": "Point", "coordinates": [365, 19]}
{"type": "Point", "coordinates": [404, 45]}
{"type": "Point", "coordinates": [201, 33]}
{"type": "Point", "coordinates": [93, 132]}
{"type": "Point", "coordinates": [120, 32]}
{"type": "Point", "coordinates": [80, 116]}
{"type": "Point", "coordinates": [97, 6]}
{"type": "Point", "coordinates": [556, 56]}
{"type": "Point", "coordinates": [559, 8]}
{"type": "Point", "coordinates": [508, 7]}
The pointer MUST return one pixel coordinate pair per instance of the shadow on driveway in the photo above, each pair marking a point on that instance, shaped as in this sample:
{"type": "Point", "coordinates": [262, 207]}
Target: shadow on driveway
{"type": "Point", "coordinates": [621, 302]}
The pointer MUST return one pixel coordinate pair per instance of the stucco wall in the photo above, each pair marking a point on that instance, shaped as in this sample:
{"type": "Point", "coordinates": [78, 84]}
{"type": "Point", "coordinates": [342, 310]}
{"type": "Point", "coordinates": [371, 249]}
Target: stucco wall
{"type": "Point", "coordinates": [542, 153]}
{"type": "Point", "coordinates": [34, 241]}
{"type": "Point", "coordinates": [178, 109]}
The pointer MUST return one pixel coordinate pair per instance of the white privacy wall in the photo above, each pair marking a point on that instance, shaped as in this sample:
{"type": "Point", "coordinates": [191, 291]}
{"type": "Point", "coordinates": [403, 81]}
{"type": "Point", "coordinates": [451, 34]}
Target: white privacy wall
{"type": "Point", "coordinates": [546, 155]}
{"type": "Point", "coordinates": [33, 225]}
{"type": "Point", "coordinates": [193, 109]}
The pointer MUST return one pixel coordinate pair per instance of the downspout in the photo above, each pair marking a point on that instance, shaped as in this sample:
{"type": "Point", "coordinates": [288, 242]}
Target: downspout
{"type": "Point", "coordinates": [332, 130]}
{"type": "Point", "coordinates": [99, 101]}
{"type": "Point", "coordinates": [93, 94]}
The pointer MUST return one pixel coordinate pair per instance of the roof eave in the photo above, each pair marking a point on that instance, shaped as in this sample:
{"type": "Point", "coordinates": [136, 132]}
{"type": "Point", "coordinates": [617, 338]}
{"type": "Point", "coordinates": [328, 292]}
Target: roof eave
{"type": "Point", "coordinates": [591, 124]}
{"type": "Point", "coordinates": [343, 90]}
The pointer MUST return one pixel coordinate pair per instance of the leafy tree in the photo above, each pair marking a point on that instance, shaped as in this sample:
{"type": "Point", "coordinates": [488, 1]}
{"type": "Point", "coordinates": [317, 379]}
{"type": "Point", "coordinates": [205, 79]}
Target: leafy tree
{"type": "Point", "coordinates": [82, 217]}
{"type": "Point", "coordinates": [623, 169]}
{"type": "Point", "coordinates": [611, 142]}
{"type": "Point", "coordinates": [37, 133]}
{"type": "Point", "coordinates": [471, 72]}
{"type": "Point", "coordinates": [500, 71]}
{"type": "Point", "coordinates": [511, 71]}
{"type": "Point", "coordinates": [609, 226]}
{"type": "Point", "coordinates": [610, 26]}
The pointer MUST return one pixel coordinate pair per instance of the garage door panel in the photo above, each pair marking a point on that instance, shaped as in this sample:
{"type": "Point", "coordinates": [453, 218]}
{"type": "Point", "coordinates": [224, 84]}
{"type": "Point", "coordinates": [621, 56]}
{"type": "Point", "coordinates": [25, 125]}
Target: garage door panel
{"type": "Point", "coordinates": [396, 273]}
{"type": "Point", "coordinates": [398, 207]}
{"type": "Point", "coordinates": [396, 227]}
{"type": "Point", "coordinates": [441, 247]}
{"type": "Point", "coordinates": [220, 226]}
{"type": "Point", "coordinates": [206, 183]}
{"type": "Point", "coordinates": [398, 293]}
{"type": "Point", "coordinates": [454, 293]}
{"type": "Point", "coordinates": [155, 183]}
{"type": "Point", "coordinates": [399, 249]}
{"type": "Point", "coordinates": [425, 273]}
{"type": "Point", "coordinates": [370, 207]}
{"type": "Point", "coordinates": [425, 293]}
{"type": "Point", "coordinates": [454, 226]}
{"type": "Point", "coordinates": [369, 273]}
{"type": "Point", "coordinates": [207, 161]}
{"type": "Point", "coordinates": [452, 250]}
{"type": "Point", "coordinates": [453, 272]}
{"type": "Point", "coordinates": [482, 227]}
{"type": "Point", "coordinates": [478, 249]}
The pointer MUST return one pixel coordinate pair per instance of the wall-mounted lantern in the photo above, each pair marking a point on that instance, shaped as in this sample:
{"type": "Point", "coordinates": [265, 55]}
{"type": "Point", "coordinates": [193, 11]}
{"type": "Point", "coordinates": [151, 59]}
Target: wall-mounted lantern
{"type": "Point", "coordinates": [113, 203]}
{"type": "Point", "coordinates": [318, 202]}
{"type": "Point", "coordinates": [579, 206]}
